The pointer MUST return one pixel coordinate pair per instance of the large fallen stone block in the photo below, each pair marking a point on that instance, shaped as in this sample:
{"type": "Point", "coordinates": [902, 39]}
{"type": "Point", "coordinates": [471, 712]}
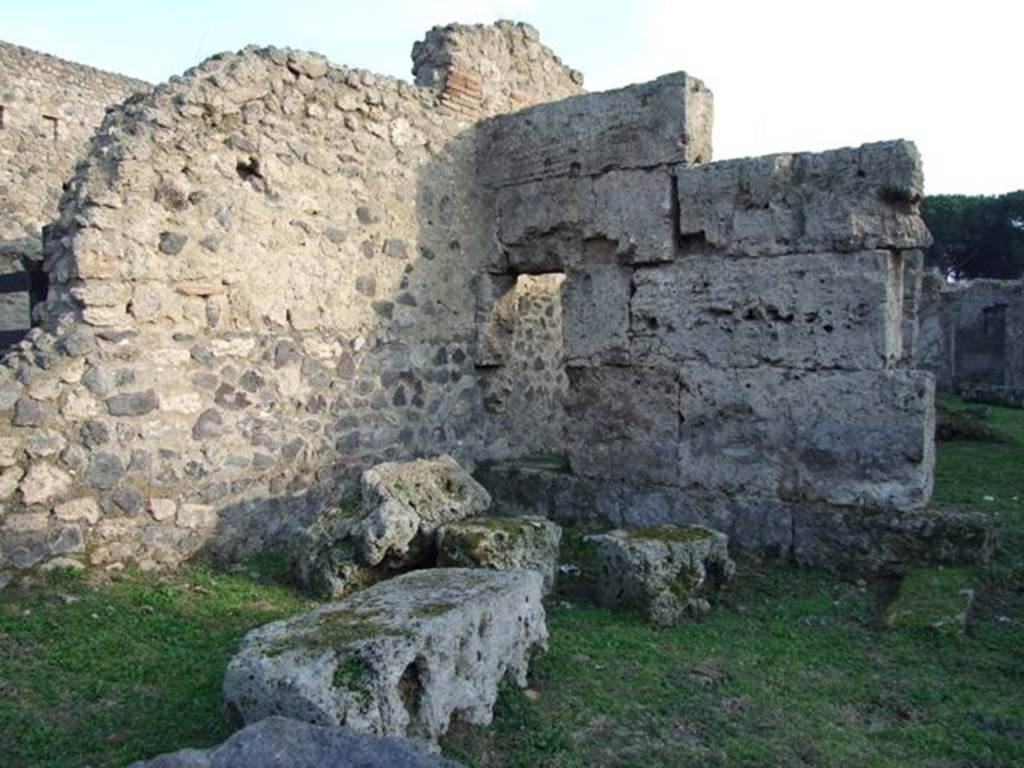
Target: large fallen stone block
{"type": "Point", "coordinates": [623, 424]}
{"type": "Point", "coordinates": [400, 658]}
{"type": "Point", "coordinates": [389, 529]}
{"type": "Point", "coordinates": [852, 438]}
{"type": "Point", "coordinates": [663, 570]}
{"type": "Point", "coordinates": [502, 544]}
{"type": "Point", "coordinates": [851, 199]}
{"type": "Point", "coordinates": [804, 311]}
{"type": "Point", "coordinates": [405, 502]}
{"type": "Point", "coordinates": [665, 121]}
{"type": "Point", "coordinates": [280, 742]}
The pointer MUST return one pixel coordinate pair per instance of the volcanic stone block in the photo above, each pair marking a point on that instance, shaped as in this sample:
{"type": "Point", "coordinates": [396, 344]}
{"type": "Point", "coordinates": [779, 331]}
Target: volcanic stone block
{"type": "Point", "coordinates": [665, 570]}
{"type": "Point", "coordinates": [865, 438]}
{"type": "Point", "coordinates": [502, 544]}
{"type": "Point", "coordinates": [391, 526]}
{"type": "Point", "coordinates": [398, 659]}
{"type": "Point", "coordinates": [842, 437]}
{"type": "Point", "coordinates": [540, 223]}
{"type": "Point", "coordinates": [623, 424]}
{"type": "Point", "coordinates": [280, 742]}
{"type": "Point", "coordinates": [851, 199]}
{"type": "Point", "coordinates": [665, 121]}
{"type": "Point", "coordinates": [595, 306]}
{"type": "Point", "coordinates": [803, 311]}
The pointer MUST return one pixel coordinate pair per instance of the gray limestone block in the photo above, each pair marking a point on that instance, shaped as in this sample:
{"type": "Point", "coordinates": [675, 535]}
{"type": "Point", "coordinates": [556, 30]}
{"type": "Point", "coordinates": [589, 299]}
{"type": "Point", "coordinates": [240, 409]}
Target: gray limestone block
{"type": "Point", "coordinates": [865, 438]}
{"type": "Point", "coordinates": [661, 122]}
{"type": "Point", "coordinates": [858, 539]}
{"type": "Point", "coordinates": [280, 742]}
{"type": "Point", "coordinates": [401, 658]}
{"type": "Point", "coordinates": [623, 424]}
{"type": "Point", "coordinates": [503, 544]}
{"type": "Point", "coordinates": [595, 308]}
{"type": "Point", "coordinates": [802, 311]}
{"type": "Point", "coordinates": [664, 570]}
{"type": "Point", "coordinates": [541, 222]}
{"type": "Point", "coordinates": [851, 199]}
{"type": "Point", "coordinates": [132, 403]}
{"type": "Point", "coordinates": [843, 437]}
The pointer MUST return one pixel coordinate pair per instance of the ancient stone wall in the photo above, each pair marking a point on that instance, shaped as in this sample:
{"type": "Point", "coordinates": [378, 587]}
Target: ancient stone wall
{"type": "Point", "coordinates": [972, 335]}
{"type": "Point", "coordinates": [48, 110]}
{"type": "Point", "coordinates": [275, 271]}
{"type": "Point", "coordinates": [263, 279]}
{"type": "Point", "coordinates": [733, 332]}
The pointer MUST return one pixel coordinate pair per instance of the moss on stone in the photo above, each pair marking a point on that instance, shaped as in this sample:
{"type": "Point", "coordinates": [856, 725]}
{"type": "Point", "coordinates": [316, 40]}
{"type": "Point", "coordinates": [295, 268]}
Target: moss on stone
{"type": "Point", "coordinates": [684, 583]}
{"type": "Point", "coordinates": [334, 630]}
{"type": "Point", "coordinates": [349, 671]}
{"type": "Point", "coordinates": [680, 535]}
{"type": "Point", "coordinates": [434, 609]}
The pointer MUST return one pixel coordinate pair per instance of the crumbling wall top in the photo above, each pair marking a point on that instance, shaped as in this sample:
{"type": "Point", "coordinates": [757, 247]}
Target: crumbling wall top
{"type": "Point", "coordinates": [489, 69]}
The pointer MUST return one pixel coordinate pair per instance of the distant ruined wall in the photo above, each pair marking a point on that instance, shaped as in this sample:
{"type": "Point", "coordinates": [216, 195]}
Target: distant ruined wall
{"type": "Point", "coordinates": [973, 334]}
{"type": "Point", "coordinates": [263, 279]}
{"type": "Point", "coordinates": [48, 110]}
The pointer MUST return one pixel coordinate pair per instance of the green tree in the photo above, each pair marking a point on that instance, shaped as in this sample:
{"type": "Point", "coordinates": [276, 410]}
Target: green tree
{"type": "Point", "coordinates": [976, 235]}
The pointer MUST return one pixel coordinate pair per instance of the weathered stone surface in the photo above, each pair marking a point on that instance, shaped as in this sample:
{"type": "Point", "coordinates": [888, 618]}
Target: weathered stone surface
{"type": "Point", "coordinates": [664, 570]}
{"type": "Point", "coordinates": [280, 742]}
{"type": "Point", "coordinates": [539, 222]}
{"type": "Point", "coordinates": [623, 424]}
{"type": "Point", "coordinates": [848, 438]}
{"type": "Point", "coordinates": [42, 482]}
{"type": "Point", "coordinates": [400, 658]}
{"type": "Point", "coordinates": [132, 403]}
{"type": "Point", "coordinates": [851, 199]}
{"type": "Point", "coordinates": [405, 502]}
{"type": "Point", "coordinates": [502, 544]}
{"type": "Point", "coordinates": [803, 311]}
{"type": "Point", "coordinates": [856, 539]}
{"type": "Point", "coordinates": [325, 555]}
{"type": "Point", "coordinates": [665, 121]}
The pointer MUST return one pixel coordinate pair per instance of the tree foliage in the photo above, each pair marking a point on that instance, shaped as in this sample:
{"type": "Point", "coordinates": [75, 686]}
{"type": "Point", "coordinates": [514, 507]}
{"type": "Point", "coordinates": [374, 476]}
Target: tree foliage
{"type": "Point", "coordinates": [976, 235]}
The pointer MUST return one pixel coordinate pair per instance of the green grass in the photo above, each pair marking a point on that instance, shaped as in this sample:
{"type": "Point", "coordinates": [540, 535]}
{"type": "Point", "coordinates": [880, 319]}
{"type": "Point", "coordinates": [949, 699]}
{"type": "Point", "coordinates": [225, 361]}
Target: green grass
{"type": "Point", "coordinates": [790, 668]}
{"type": "Point", "coordinates": [101, 676]}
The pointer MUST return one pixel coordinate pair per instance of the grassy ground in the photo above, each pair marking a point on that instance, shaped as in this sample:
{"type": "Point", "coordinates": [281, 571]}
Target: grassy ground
{"type": "Point", "coordinates": [790, 668]}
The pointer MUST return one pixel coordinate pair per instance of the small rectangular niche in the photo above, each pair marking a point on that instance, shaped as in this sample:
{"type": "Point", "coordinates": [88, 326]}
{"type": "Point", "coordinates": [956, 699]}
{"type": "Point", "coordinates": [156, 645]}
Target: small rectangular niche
{"type": "Point", "coordinates": [54, 123]}
{"type": "Point", "coordinates": [2, 117]}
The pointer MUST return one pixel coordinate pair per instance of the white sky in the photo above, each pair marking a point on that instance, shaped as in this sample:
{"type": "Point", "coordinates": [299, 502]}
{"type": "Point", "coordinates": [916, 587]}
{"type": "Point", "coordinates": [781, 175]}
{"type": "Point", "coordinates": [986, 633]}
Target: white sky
{"type": "Point", "coordinates": [786, 74]}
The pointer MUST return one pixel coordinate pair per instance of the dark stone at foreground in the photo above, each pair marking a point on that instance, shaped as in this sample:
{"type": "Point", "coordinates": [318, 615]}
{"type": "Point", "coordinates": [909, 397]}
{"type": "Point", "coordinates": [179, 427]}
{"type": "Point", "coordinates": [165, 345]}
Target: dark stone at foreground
{"type": "Point", "coordinates": [279, 742]}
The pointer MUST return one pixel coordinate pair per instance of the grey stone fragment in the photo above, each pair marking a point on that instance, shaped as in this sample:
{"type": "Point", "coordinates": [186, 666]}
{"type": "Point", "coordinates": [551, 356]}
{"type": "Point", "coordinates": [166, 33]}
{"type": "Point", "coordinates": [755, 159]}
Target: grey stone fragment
{"type": "Point", "coordinates": [664, 121]}
{"type": "Point", "coordinates": [28, 413]}
{"type": "Point", "coordinates": [851, 199]}
{"type": "Point", "coordinates": [172, 243]}
{"type": "Point", "coordinates": [398, 659]}
{"type": "Point", "coordinates": [77, 343]}
{"type": "Point", "coordinates": [503, 544]}
{"type": "Point", "coordinates": [209, 424]}
{"type": "Point", "coordinates": [664, 570]}
{"type": "Point", "coordinates": [104, 470]}
{"type": "Point", "coordinates": [132, 403]}
{"type": "Point", "coordinates": [280, 742]}
{"type": "Point", "coordinates": [10, 391]}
